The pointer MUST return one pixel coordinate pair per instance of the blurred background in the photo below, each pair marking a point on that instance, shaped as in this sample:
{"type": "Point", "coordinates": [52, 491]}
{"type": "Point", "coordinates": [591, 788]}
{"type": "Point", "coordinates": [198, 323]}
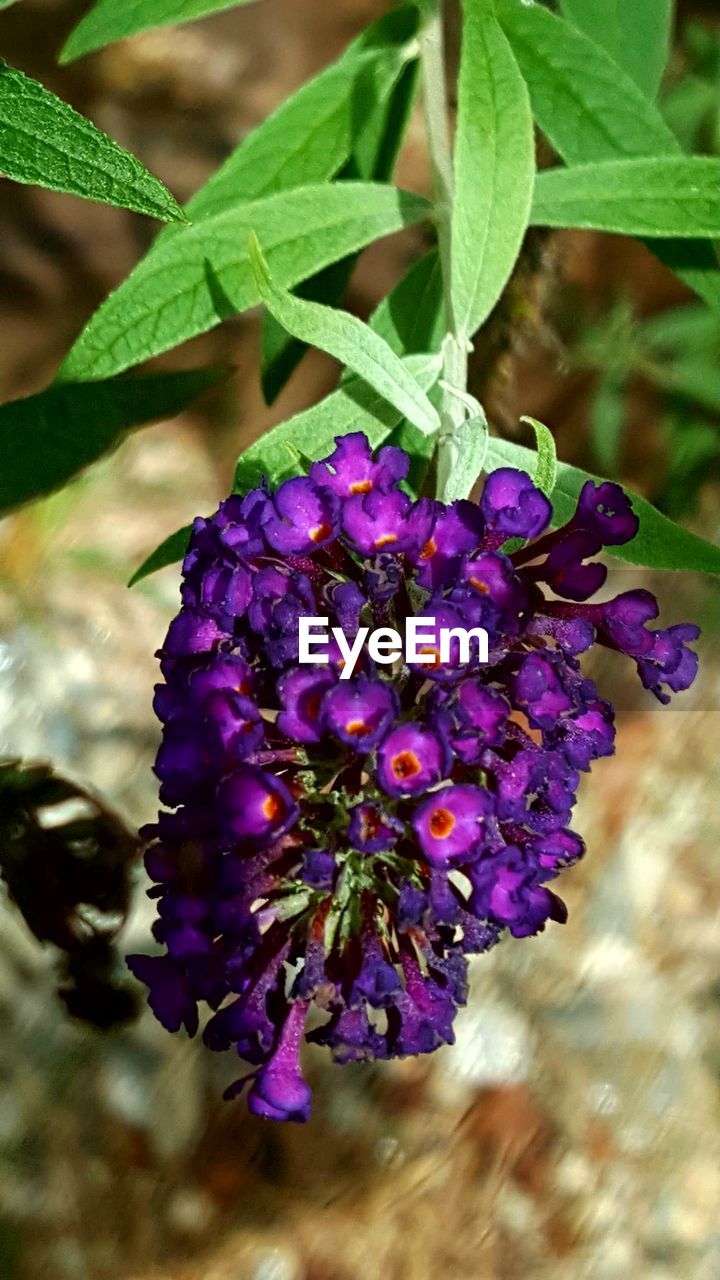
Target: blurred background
{"type": "Point", "coordinates": [574, 1129]}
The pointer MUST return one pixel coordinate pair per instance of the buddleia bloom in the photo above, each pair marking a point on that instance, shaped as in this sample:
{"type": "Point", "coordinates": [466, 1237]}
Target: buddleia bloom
{"type": "Point", "coordinates": [331, 851]}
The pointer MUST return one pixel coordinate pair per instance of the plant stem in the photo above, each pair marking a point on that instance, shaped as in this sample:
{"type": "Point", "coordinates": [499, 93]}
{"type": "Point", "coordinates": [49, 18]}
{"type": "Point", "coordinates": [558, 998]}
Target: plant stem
{"type": "Point", "coordinates": [432, 56]}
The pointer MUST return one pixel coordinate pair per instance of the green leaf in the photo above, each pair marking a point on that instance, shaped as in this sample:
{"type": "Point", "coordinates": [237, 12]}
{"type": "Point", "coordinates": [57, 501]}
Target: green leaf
{"type": "Point", "coordinates": [349, 340]}
{"type": "Point", "coordinates": [47, 438]}
{"type": "Point", "coordinates": [659, 544]}
{"type": "Point", "coordinates": [5, 4]}
{"type": "Point", "coordinates": [585, 104]}
{"type": "Point", "coordinates": [545, 473]}
{"type": "Point", "coordinates": [311, 135]}
{"type": "Point", "coordinates": [169, 552]}
{"type": "Point", "coordinates": [411, 317]}
{"type": "Point", "coordinates": [636, 33]}
{"type": "Point", "coordinates": [43, 141]}
{"type": "Point", "coordinates": [202, 276]}
{"type": "Point", "coordinates": [355, 406]}
{"type": "Point", "coordinates": [494, 167]}
{"type": "Point", "coordinates": [590, 109]}
{"type": "Point", "coordinates": [667, 196]}
{"type": "Point", "coordinates": [379, 133]}
{"type": "Point", "coordinates": [111, 20]}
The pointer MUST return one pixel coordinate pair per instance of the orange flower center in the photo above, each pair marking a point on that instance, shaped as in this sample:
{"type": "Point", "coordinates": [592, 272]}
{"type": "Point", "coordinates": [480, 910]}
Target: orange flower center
{"type": "Point", "coordinates": [361, 486]}
{"type": "Point", "coordinates": [356, 727]}
{"type": "Point", "coordinates": [272, 807]}
{"type": "Point", "coordinates": [320, 533]}
{"type": "Point", "coordinates": [429, 549]}
{"type": "Point", "coordinates": [441, 824]}
{"type": "Point", "coordinates": [384, 539]}
{"type": "Point", "coordinates": [405, 764]}
{"type": "Point", "coordinates": [435, 655]}
{"type": "Point", "coordinates": [481, 586]}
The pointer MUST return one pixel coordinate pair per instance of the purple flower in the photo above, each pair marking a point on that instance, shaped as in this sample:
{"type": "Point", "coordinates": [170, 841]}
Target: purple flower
{"type": "Point", "coordinates": [378, 521]}
{"type": "Point", "coordinates": [303, 517]}
{"type": "Point", "coordinates": [301, 691]}
{"type": "Point", "coordinates": [511, 504]}
{"type": "Point", "coordinates": [170, 994]}
{"type": "Point", "coordinates": [278, 1091]}
{"type": "Point", "coordinates": [359, 712]}
{"type": "Point", "coordinates": [456, 531]}
{"type": "Point", "coordinates": [452, 824]}
{"type": "Point", "coordinates": [604, 510]}
{"type": "Point", "coordinates": [351, 469]}
{"type": "Point", "coordinates": [506, 891]}
{"type": "Point", "coordinates": [256, 806]}
{"type": "Point", "coordinates": [347, 844]}
{"type": "Point", "coordinates": [410, 760]}
{"type": "Point", "coordinates": [565, 570]}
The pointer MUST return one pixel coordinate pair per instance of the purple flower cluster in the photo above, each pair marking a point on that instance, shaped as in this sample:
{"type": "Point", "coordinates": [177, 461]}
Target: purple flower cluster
{"type": "Point", "coordinates": [332, 850]}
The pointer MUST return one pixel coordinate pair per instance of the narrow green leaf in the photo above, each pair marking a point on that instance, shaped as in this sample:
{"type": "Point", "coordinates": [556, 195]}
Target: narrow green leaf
{"type": "Point", "coordinates": [585, 103]}
{"type": "Point", "coordinates": [636, 33]}
{"type": "Point", "coordinates": [355, 406]}
{"type": "Point", "coordinates": [668, 196]}
{"type": "Point", "coordinates": [379, 132]}
{"type": "Point", "coordinates": [43, 141]}
{"type": "Point", "coordinates": [494, 167]}
{"type": "Point", "coordinates": [312, 133]}
{"type": "Point", "coordinates": [169, 552]}
{"type": "Point", "coordinates": [590, 109]}
{"type": "Point", "coordinates": [411, 317]}
{"type": "Point", "coordinates": [545, 473]}
{"type": "Point", "coordinates": [659, 544]}
{"type": "Point", "coordinates": [202, 276]}
{"type": "Point", "coordinates": [47, 438]}
{"type": "Point", "coordinates": [111, 20]}
{"type": "Point", "coordinates": [349, 340]}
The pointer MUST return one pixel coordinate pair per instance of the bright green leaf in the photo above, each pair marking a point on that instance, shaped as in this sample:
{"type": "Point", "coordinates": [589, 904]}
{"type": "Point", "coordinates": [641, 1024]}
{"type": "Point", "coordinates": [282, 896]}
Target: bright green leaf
{"type": "Point", "coordinates": [494, 167]}
{"type": "Point", "coordinates": [349, 340]}
{"type": "Point", "coordinates": [379, 131]}
{"type": "Point", "coordinates": [590, 109]}
{"type": "Point", "coordinates": [667, 196]}
{"type": "Point", "coordinates": [311, 135]}
{"type": "Point", "coordinates": [202, 276]}
{"type": "Point", "coordinates": [47, 438]}
{"type": "Point", "coordinates": [659, 544]}
{"type": "Point", "coordinates": [43, 141]}
{"type": "Point", "coordinates": [545, 473]}
{"type": "Point", "coordinates": [585, 104]}
{"type": "Point", "coordinates": [111, 20]}
{"type": "Point", "coordinates": [636, 33]}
